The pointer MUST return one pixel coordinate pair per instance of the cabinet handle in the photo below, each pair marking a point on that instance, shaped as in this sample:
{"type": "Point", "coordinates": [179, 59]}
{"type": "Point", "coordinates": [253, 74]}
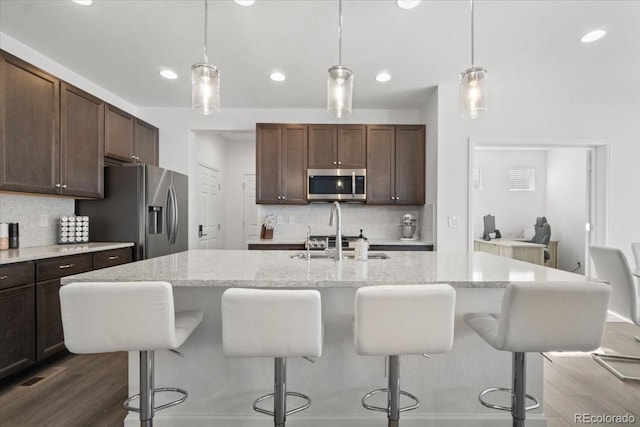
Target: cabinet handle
{"type": "Point", "coordinates": [283, 197]}
{"type": "Point", "coordinates": [111, 258]}
{"type": "Point", "coordinates": [335, 163]}
{"type": "Point", "coordinates": [339, 163]}
{"type": "Point", "coordinates": [133, 157]}
{"type": "Point", "coordinates": [58, 185]}
{"type": "Point", "coordinates": [66, 266]}
{"type": "Point", "coordinates": [393, 198]}
{"type": "Point", "coordinates": [4, 277]}
{"type": "Point", "coordinates": [64, 185]}
{"type": "Point", "coordinates": [397, 198]}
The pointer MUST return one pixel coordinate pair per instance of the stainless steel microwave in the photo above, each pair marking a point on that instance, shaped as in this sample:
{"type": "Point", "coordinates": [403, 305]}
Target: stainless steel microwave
{"type": "Point", "coordinates": [336, 184]}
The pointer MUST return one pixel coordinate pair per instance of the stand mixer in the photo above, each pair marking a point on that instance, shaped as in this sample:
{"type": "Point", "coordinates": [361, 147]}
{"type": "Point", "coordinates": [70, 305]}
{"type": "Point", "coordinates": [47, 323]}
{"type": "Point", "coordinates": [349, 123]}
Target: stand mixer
{"type": "Point", "coordinates": [408, 227]}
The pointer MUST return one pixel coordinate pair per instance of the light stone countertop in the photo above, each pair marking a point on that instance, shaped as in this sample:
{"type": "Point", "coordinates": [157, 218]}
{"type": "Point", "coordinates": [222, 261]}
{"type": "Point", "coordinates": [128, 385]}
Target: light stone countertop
{"type": "Point", "coordinates": [300, 241]}
{"type": "Point", "coordinates": [275, 269]}
{"type": "Point", "coordinates": [53, 251]}
{"type": "Point", "coordinates": [510, 243]}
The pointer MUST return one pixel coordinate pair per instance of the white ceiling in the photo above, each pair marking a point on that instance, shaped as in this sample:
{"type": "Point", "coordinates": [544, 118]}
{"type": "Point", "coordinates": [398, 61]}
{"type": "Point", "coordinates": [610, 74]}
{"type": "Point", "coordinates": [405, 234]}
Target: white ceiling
{"type": "Point", "coordinates": [121, 45]}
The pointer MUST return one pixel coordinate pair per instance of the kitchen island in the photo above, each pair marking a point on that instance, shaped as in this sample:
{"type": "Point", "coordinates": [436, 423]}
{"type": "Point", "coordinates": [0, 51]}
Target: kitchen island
{"type": "Point", "coordinates": [222, 389]}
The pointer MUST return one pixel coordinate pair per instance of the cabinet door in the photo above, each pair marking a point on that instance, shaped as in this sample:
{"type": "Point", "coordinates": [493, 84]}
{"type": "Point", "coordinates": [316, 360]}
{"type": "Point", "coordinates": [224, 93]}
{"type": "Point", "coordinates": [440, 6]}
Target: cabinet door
{"type": "Point", "coordinates": [293, 164]}
{"type": "Point", "coordinates": [118, 135]}
{"type": "Point", "coordinates": [380, 161]}
{"type": "Point", "coordinates": [352, 148]}
{"type": "Point", "coordinates": [17, 329]}
{"type": "Point", "coordinates": [49, 336]}
{"type": "Point", "coordinates": [409, 165]}
{"type": "Point", "coordinates": [146, 143]}
{"type": "Point", "coordinates": [81, 143]}
{"type": "Point", "coordinates": [29, 121]}
{"type": "Point", "coordinates": [323, 146]}
{"type": "Point", "coordinates": [268, 163]}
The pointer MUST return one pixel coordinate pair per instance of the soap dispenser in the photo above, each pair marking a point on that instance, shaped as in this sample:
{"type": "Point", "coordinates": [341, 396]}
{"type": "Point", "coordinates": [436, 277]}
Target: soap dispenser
{"type": "Point", "coordinates": [362, 247]}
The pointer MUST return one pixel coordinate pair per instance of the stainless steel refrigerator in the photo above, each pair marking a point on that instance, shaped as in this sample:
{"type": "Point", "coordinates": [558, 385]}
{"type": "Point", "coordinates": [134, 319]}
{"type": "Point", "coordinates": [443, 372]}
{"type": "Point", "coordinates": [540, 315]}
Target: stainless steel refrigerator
{"type": "Point", "coordinates": [143, 204]}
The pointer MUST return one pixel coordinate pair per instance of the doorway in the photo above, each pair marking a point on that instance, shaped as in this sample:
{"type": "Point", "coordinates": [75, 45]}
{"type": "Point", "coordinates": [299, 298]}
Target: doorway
{"type": "Point", "coordinates": [249, 209]}
{"type": "Point", "coordinates": [571, 179]}
{"type": "Point", "coordinates": [208, 207]}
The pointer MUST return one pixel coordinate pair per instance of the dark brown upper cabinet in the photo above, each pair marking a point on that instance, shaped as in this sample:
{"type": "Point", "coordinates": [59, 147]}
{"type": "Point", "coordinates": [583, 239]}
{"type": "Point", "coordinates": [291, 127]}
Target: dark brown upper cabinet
{"type": "Point", "coordinates": [81, 143]}
{"type": "Point", "coordinates": [396, 165]}
{"type": "Point", "coordinates": [118, 137]}
{"type": "Point", "coordinates": [52, 133]}
{"type": "Point", "coordinates": [145, 142]}
{"type": "Point", "coordinates": [129, 139]}
{"type": "Point", "coordinates": [337, 146]}
{"type": "Point", "coordinates": [281, 164]}
{"type": "Point", "coordinates": [29, 128]}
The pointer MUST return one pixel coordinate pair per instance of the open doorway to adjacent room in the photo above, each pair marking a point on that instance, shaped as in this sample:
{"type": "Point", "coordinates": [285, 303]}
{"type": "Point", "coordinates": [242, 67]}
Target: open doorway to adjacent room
{"type": "Point", "coordinates": [565, 181]}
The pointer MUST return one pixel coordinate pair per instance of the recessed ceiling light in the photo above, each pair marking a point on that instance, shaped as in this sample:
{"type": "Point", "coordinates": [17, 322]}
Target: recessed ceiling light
{"type": "Point", "coordinates": [383, 77]}
{"type": "Point", "coordinates": [168, 74]}
{"type": "Point", "coordinates": [244, 2]}
{"type": "Point", "coordinates": [407, 4]}
{"type": "Point", "coordinates": [593, 36]}
{"type": "Point", "coordinates": [83, 2]}
{"type": "Point", "coordinates": [277, 77]}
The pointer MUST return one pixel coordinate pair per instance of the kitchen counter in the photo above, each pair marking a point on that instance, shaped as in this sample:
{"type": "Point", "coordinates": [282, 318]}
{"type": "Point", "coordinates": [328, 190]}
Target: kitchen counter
{"type": "Point", "coordinates": [300, 241]}
{"type": "Point", "coordinates": [53, 251]}
{"type": "Point", "coordinates": [222, 388]}
{"type": "Point", "coordinates": [227, 268]}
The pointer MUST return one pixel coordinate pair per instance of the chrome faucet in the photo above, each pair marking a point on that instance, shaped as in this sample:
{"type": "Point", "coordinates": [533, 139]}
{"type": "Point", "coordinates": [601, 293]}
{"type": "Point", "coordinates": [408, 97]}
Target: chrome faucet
{"type": "Point", "coordinates": [335, 211]}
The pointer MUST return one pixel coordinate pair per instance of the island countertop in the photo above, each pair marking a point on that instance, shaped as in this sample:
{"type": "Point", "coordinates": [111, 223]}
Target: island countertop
{"type": "Point", "coordinates": [268, 269]}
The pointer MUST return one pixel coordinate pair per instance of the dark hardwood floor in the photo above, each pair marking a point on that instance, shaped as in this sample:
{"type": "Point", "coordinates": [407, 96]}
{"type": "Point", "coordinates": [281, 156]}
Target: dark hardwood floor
{"type": "Point", "coordinates": [87, 390]}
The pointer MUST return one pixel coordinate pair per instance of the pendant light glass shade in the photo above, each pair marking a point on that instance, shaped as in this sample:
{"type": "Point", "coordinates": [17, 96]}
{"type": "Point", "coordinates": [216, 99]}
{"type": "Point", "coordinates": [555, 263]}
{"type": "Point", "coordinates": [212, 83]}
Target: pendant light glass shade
{"type": "Point", "coordinates": [205, 80]}
{"type": "Point", "coordinates": [339, 91]}
{"type": "Point", "coordinates": [474, 96]}
{"type": "Point", "coordinates": [473, 92]}
{"type": "Point", "coordinates": [205, 88]}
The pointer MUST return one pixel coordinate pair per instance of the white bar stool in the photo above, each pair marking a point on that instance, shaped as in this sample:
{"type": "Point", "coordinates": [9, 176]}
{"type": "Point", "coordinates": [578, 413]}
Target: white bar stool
{"type": "Point", "coordinates": [540, 317]}
{"type": "Point", "coordinates": [273, 323]}
{"type": "Point", "coordinates": [393, 320]}
{"type": "Point", "coordinates": [103, 317]}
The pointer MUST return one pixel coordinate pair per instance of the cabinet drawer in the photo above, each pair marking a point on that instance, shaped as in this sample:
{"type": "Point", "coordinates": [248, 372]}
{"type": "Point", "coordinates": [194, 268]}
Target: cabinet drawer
{"type": "Point", "coordinates": [111, 258]}
{"type": "Point", "coordinates": [16, 274]}
{"type": "Point", "coordinates": [66, 266]}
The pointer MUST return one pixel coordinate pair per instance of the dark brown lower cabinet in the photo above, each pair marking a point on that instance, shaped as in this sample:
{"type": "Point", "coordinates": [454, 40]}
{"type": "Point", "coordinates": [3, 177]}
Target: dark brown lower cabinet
{"type": "Point", "coordinates": [17, 329]}
{"type": "Point", "coordinates": [49, 336]}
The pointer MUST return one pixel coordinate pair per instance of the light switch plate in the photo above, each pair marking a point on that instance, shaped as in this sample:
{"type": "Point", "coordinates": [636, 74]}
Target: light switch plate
{"type": "Point", "coordinates": [44, 220]}
{"type": "Point", "coordinates": [280, 219]}
{"type": "Point", "coordinates": [453, 221]}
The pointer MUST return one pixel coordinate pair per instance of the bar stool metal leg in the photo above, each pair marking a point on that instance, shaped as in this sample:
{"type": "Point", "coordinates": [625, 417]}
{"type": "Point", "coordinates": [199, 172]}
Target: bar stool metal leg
{"type": "Point", "coordinates": [394, 391]}
{"type": "Point", "coordinates": [146, 388]}
{"type": "Point", "coordinates": [280, 392]}
{"type": "Point", "coordinates": [519, 387]}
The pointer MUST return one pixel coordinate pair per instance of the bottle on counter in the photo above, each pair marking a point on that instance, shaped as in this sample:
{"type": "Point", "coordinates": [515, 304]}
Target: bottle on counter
{"type": "Point", "coordinates": [14, 236]}
{"type": "Point", "coordinates": [362, 248]}
{"type": "Point", "coordinates": [4, 236]}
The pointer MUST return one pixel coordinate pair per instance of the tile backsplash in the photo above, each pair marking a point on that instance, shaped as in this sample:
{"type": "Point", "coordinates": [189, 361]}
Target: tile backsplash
{"type": "Point", "coordinates": [37, 216]}
{"type": "Point", "coordinates": [377, 222]}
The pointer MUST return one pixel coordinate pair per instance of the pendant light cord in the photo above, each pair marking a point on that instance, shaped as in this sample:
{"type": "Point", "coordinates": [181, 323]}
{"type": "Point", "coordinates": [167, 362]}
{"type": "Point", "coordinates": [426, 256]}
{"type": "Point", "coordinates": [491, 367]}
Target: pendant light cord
{"type": "Point", "coordinates": [206, 14]}
{"type": "Point", "coordinates": [471, 33]}
{"type": "Point", "coordinates": [339, 32]}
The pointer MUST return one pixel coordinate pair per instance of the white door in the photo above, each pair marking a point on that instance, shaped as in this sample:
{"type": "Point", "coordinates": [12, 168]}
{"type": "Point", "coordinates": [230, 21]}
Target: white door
{"type": "Point", "coordinates": [249, 210]}
{"type": "Point", "coordinates": [208, 193]}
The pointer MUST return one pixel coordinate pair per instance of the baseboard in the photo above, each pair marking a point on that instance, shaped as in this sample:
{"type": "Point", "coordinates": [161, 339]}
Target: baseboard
{"type": "Point", "coordinates": [443, 420]}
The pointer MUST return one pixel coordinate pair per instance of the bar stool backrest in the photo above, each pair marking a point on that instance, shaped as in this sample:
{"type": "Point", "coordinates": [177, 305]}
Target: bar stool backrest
{"type": "Point", "coordinates": [635, 247]}
{"type": "Point", "coordinates": [101, 317]}
{"type": "Point", "coordinates": [404, 319]}
{"type": "Point", "coordinates": [547, 316]}
{"type": "Point", "coordinates": [612, 266]}
{"type": "Point", "coordinates": [271, 323]}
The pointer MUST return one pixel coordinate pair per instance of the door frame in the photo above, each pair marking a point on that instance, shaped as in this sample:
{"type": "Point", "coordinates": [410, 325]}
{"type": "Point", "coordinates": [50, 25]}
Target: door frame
{"type": "Point", "coordinates": [598, 188]}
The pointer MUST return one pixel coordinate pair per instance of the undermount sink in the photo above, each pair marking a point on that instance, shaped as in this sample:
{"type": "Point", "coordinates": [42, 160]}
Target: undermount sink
{"type": "Point", "coordinates": [322, 255]}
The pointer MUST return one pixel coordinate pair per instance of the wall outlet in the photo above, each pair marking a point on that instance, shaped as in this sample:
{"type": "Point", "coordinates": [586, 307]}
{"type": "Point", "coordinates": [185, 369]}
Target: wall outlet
{"type": "Point", "coordinates": [453, 221]}
{"type": "Point", "coordinates": [44, 220]}
{"type": "Point", "coordinates": [292, 220]}
{"type": "Point", "coordinates": [280, 219]}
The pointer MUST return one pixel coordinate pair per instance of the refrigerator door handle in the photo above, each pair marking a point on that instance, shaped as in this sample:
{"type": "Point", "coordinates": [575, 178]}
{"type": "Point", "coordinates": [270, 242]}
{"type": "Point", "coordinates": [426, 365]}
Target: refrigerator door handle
{"type": "Point", "coordinates": [174, 205]}
{"type": "Point", "coordinates": [168, 215]}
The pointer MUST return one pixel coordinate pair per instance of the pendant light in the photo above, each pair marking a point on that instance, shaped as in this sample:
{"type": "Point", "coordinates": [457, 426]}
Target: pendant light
{"type": "Point", "coordinates": [340, 81]}
{"type": "Point", "coordinates": [473, 87]}
{"type": "Point", "coordinates": [205, 81]}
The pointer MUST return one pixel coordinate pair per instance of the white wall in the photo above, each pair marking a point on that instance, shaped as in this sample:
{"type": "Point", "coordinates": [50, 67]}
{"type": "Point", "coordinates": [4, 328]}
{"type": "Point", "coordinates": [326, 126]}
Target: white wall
{"type": "Point", "coordinates": [545, 108]}
{"type": "Point", "coordinates": [429, 116]}
{"type": "Point", "coordinates": [241, 160]}
{"type": "Point", "coordinates": [513, 210]}
{"type": "Point", "coordinates": [567, 204]}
